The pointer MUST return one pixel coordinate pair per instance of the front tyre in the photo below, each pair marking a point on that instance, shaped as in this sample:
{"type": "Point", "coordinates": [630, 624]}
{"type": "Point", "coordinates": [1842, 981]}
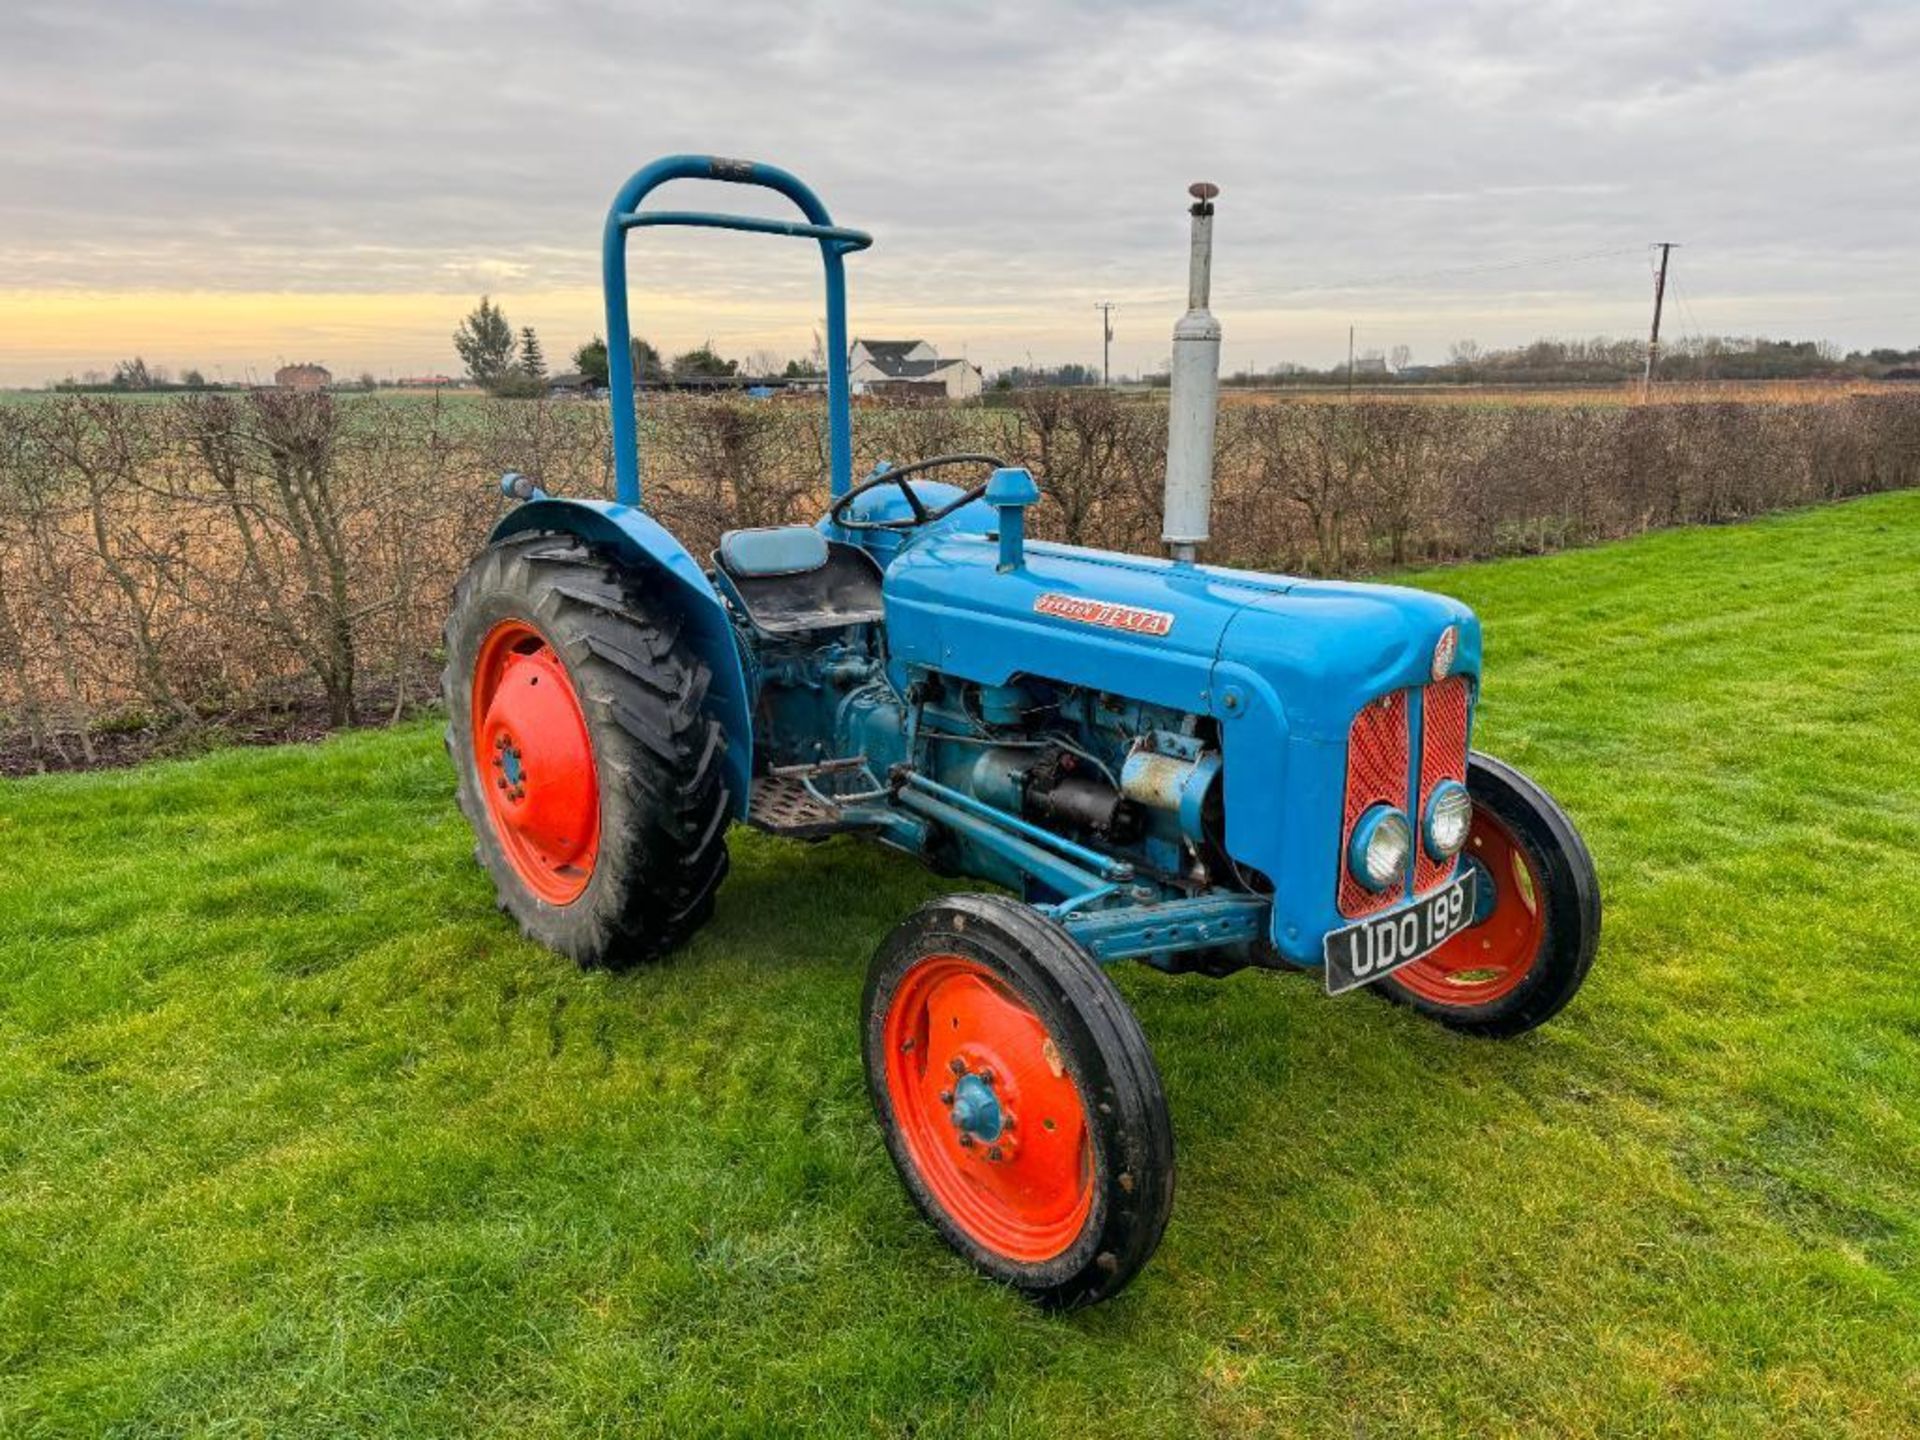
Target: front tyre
{"type": "Point", "coordinates": [589, 765]}
{"type": "Point", "coordinates": [1018, 1098]}
{"type": "Point", "coordinates": [1538, 923]}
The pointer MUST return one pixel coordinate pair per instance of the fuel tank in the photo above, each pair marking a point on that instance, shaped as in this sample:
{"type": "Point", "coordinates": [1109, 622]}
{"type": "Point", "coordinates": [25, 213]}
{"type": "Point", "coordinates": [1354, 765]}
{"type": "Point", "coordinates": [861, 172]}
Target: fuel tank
{"type": "Point", "coordinates": [1200, 638]}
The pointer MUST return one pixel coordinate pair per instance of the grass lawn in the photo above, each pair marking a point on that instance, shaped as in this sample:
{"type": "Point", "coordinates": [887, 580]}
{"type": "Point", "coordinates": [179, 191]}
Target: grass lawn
{"type": "Point", "coordinates": [297, 1137]}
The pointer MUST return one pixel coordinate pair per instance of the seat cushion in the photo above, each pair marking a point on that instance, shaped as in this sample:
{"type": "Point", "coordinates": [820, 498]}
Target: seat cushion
{"type": "Point", "coordinates": [773, 550]}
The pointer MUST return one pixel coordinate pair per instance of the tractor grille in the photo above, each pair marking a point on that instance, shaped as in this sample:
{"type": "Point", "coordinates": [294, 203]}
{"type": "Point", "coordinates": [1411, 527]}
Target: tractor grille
{"type": "Point", "coordinates": [1443, 756]}
{"type": "Point", "coordinates": [1380, 772]}
{"type": "Point", "coordinates": [1377, 747]}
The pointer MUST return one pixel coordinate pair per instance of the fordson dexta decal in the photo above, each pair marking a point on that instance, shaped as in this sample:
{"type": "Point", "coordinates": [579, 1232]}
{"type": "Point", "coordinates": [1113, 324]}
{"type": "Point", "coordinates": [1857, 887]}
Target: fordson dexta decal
{"type": "Point", "coordinates": [1130, 618]}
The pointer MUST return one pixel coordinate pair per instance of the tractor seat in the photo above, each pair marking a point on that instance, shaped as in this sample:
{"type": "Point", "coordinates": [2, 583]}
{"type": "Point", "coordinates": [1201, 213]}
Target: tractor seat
{"type": "Point", "coordinates": [790, 579]}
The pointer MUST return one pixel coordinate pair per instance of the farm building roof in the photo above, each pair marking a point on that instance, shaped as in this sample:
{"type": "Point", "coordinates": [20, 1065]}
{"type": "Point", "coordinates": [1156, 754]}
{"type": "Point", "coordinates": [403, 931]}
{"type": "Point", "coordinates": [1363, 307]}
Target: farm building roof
{"type": "Point", "coordinates": [883, 350]}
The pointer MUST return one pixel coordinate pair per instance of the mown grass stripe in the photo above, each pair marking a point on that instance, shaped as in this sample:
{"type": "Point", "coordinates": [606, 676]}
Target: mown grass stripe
{"type": "Point", "coordinates": [298, 1138]}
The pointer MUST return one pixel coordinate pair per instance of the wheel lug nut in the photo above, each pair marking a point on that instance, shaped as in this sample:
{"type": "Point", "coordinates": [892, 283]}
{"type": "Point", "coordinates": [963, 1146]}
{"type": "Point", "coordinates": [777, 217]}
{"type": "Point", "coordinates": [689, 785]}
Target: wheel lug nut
{"type": "Point", "coordinates": [946, 1097]}
{"type": "Point", "coordinates": [994, 1153]}
{"type": "Point", "coordinates": [986, 1076]}
{"type": "Point", "coordinates": [966, 1139]}
{"type": "Point", "coordinates": [957, 1065]}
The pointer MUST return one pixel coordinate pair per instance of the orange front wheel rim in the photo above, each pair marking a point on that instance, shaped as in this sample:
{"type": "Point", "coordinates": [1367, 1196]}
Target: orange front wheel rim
{"type": "Point", "coordinates": [1491, 958]}
{"type": "Point", "coordinates": [994, 1124]}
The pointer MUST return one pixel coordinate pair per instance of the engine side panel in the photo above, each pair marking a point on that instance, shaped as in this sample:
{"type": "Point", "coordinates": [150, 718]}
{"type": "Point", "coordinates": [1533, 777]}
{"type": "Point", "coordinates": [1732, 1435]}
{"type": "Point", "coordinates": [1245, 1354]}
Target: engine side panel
{"type": "Point", "coordinates": [1283, 665]}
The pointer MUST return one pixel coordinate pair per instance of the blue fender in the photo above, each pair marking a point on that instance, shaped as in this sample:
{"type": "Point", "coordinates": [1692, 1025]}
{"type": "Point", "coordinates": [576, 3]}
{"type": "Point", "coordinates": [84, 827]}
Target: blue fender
{"type": "Point", "coordinates": [643, 544]}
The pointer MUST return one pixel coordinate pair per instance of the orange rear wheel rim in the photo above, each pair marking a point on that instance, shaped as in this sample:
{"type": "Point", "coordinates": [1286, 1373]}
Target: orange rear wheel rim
{"type": "Point", "coordinates": [533, 760]}
{"type": "Point", "coordinates": [995, 1126]}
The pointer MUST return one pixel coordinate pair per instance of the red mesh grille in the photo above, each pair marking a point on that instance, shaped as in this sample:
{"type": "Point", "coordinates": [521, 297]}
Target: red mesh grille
{"type": "Point", "coordinates": [1377, 746]}
{"type": "Point", "coordinates": [1443, 756]}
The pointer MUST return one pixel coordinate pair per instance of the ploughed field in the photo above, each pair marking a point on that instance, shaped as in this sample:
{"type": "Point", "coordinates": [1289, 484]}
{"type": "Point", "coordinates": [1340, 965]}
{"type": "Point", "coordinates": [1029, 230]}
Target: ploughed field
{"type": "Point", "coordinates": [297, 1137]}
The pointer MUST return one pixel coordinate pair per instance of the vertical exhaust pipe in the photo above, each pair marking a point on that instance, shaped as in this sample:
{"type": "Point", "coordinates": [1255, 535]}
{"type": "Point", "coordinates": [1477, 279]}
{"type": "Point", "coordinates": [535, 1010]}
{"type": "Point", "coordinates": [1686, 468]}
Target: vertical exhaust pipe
{"type": "Point", "coordinates": [1195, 394]}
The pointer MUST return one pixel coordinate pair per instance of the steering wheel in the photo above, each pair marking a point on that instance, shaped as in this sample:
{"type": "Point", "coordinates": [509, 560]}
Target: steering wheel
{"type": "Point", "coordinates": [921, 514]}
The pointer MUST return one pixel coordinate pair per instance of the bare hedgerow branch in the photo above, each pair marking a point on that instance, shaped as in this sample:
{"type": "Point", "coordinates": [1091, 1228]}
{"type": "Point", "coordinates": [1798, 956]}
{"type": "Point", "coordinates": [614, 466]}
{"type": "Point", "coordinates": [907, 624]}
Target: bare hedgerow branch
{"type": "Point", "coordinates": [213, 555]}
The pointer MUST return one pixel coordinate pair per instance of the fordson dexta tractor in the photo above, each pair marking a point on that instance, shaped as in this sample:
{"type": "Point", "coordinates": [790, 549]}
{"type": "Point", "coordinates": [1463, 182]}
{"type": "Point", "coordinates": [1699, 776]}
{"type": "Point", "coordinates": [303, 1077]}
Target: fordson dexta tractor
{"type": "Point", "coordinates": [1149, 758]}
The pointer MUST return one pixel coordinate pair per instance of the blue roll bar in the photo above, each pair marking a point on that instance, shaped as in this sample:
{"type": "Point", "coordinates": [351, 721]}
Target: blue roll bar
{"type": "Point", "coordinates": [835, 241]}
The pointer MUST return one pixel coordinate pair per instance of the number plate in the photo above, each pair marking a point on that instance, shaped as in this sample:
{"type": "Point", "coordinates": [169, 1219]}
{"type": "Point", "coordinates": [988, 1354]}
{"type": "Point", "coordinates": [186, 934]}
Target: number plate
{"type": "Point", "coordinates": [1361, 954]}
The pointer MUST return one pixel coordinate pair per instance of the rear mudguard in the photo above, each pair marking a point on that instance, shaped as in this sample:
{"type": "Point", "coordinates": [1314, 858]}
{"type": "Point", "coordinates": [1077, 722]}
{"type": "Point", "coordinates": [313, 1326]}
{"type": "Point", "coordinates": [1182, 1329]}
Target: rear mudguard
{"type": "Point", "coordinates": [640, 542]}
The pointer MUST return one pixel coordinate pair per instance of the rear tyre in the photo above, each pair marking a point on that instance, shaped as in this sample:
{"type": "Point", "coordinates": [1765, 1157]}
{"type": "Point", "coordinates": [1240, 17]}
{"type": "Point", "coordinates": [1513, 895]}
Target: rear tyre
{"type": "Point", "coordinates": [1530, 949]}
{"type": "Point", "coordinates": [1018, 1098]}
{"type": "Point", "coordinates": [589, 766]}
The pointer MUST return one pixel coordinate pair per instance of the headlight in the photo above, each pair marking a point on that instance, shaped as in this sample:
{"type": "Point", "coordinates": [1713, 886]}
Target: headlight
{"type": "Point", "coordinates": [1445, 651]}
{"type": "Point", "coordinates": [1381, 845]}
{"type": "Point", "coordinates": [1449, 817]}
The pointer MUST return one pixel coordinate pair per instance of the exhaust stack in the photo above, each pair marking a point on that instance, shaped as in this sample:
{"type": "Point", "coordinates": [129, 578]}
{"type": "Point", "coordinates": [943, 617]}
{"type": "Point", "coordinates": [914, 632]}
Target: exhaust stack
{"type": "Point", "coordinates": [1195, 394]}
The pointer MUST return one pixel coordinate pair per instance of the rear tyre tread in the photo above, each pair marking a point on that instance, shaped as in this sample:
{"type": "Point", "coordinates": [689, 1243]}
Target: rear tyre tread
{"type": "Point", "coordinates": [663, 802]}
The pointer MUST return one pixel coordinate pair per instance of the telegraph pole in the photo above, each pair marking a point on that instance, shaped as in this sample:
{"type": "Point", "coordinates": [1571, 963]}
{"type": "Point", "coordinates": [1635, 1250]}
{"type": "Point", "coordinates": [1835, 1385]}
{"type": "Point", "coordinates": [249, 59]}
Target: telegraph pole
{"type": "Point", "coordinates": [1659, 296]}
{"type": "Point", "coordinates": [1106, 309]}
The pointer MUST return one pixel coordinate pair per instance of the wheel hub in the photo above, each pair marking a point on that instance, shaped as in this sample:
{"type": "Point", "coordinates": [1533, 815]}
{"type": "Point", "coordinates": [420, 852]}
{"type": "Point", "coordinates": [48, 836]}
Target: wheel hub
{"type": "Point", "coordinates": [975, 1108]}
{"type": "Point", "coordinates": [507, 760]}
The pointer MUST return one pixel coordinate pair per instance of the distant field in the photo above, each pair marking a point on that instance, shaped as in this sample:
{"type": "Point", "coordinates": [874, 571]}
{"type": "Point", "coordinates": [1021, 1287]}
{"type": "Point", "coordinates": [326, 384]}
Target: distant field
{"type": "Point", "coordinates": [1766, 392]}
{"type": "Point", "coordinates": [298, 1138]}
{"type": "Point", "coordinates": [1624, 393]}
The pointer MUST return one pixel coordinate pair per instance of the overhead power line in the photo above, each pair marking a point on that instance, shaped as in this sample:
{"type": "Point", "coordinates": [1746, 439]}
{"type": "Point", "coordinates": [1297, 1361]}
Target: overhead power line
{"type": "Point", "coordinates": [1404, 277]}
{"type": "Point", "coordinates": [1385, 279]}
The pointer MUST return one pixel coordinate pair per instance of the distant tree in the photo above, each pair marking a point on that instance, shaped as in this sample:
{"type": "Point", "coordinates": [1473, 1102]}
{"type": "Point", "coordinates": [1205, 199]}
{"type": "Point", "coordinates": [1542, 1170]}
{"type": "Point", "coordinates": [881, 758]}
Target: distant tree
{"type": "Point", "coordinates": [1037, 377]}
{"type": "Point", "coordinates": [367, 382]}
{"type": "Point", "coordinates": [591, 361]}
{"type": "Point", "coordinates": [1400, 357]}
{"type": "Point", "coordinates": [193, 379]}
{"type": "Point", "coordinates": [132, 375]}
{"type": "Point", "coordinates": [801, 370]}
{"type": "Point", "coordinates": [485, 343]}
{"type": "Point", "coordinates": [533, 364]}
{"type": "Point", "coordinates": [703, 363]}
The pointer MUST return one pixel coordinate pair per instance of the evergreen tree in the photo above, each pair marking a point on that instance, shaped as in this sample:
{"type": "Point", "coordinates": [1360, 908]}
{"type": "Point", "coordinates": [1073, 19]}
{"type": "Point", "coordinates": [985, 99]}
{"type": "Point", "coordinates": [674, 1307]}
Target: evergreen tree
{"type": "Point", "coordinates": [533, 364]}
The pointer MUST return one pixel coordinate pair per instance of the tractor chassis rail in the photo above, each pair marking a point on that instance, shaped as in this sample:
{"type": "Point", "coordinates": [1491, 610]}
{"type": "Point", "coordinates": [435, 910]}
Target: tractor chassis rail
{"type": "Point", "coordinates": [1108, 912]}
{"type": "Point", "coordinates": [1155, 929]}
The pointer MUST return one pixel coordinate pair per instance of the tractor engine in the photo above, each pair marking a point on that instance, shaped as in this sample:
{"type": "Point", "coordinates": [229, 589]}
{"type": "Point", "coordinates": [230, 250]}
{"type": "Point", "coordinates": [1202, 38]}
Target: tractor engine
{"type": "Point", "coordinates": [1131, 780]}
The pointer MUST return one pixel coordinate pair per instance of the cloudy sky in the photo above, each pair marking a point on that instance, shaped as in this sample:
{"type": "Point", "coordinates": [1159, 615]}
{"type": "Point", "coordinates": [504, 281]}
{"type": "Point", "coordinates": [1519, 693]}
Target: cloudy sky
{"type": "Point", "coordinates": [226, 183]}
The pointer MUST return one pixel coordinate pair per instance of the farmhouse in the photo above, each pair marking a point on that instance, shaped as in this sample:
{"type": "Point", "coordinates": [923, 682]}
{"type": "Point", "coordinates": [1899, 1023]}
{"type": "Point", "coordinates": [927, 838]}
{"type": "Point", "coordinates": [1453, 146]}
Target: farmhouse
{"type": "Point", "coordinates": [910, 369]}
{"type": "Point", "coordinates": [303, 377]}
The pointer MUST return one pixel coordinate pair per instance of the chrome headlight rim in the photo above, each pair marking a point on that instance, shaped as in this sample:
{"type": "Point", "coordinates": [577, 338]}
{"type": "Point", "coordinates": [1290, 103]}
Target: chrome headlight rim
{"type": "Point", "coordinates": [1448, 820]}
{"type": "Point", "coordinates": [1380, 824]}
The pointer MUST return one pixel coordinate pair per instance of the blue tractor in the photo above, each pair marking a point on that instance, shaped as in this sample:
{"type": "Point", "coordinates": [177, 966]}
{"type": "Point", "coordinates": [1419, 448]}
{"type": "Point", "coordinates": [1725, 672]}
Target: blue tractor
{"type": "Point", "coordinates": [1150, 758]}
